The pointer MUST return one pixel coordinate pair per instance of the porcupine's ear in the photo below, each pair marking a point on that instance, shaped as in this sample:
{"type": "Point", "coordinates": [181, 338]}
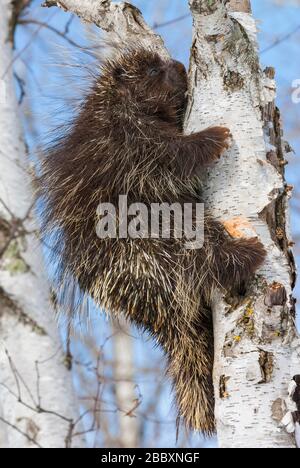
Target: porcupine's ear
{"type": "Point", "coordinates": [118, 73]}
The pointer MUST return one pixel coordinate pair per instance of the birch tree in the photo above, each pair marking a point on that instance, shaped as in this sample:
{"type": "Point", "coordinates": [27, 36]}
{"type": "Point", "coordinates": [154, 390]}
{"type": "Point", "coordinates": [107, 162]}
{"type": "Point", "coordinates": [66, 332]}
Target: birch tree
{"type": "Point", "coordinates": [256, 346]}
{"type": "Point", "coordinates": [257, 350]}
{"type": "Point", "coordinates": [37, 408]}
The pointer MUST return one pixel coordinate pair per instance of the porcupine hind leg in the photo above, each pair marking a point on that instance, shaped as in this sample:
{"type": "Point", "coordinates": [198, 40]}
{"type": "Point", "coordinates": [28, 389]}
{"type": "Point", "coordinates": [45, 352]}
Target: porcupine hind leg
{"type": "Point", "coordinates": [228, 262]}
{"type": "Point", "coordinates": [237, 260]}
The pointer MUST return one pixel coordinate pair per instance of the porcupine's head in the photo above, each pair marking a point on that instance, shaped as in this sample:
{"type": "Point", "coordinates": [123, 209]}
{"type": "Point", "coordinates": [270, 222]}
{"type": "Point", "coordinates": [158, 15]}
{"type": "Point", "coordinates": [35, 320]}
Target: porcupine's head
{"type": "Point", "coordinates": [149, 79]}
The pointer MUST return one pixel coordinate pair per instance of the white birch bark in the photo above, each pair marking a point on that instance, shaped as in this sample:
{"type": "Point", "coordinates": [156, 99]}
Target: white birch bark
{"type": "Point", "coordinates": [122, 20]}
{"type": "Point", "coordinates": [257, 350]}
{"type": "Point", "coordinates": [36, 402]}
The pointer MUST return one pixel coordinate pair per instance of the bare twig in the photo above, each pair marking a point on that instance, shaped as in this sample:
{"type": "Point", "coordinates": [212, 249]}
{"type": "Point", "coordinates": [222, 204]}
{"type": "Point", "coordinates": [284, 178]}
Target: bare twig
{"type": "Point", "coordinates": [17, 228]}
{"type": "Point", "coordinates": [16, 428]}
{"type": "Point", "coordinates": [61, 34]}
{"type": "Point", "coordinates": [281, 40]}
{"type": "Point", "coordinates": [171, 22]}
{"type": "Point", "coordinates": [21, 84]}
{"type": "Point", "coordinates": [18, 55]}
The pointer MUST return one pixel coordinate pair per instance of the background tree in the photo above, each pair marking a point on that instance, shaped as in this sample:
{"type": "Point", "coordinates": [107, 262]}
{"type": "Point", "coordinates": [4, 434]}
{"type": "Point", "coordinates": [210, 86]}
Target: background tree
{"type": "Point", "coordinates": [37, 408]}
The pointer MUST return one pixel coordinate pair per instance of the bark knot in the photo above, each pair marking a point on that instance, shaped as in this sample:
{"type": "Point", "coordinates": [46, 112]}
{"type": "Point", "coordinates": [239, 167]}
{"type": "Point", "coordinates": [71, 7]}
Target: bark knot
{"type": "Point", "coordinates": [266, 362]}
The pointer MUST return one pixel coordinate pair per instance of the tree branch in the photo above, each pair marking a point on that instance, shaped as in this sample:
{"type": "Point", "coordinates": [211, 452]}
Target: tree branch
{"type": "Point", "coordinates": [123, 20]}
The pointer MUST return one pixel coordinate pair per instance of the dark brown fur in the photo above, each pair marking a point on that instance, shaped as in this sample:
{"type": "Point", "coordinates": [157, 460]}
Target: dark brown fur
{"type": "Point", "coordinates": [127, 139]}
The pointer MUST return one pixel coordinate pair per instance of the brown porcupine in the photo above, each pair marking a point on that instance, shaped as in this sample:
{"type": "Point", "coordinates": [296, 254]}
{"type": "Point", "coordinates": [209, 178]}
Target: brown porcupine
{"type": "Point", "coordinates": [127, 139]}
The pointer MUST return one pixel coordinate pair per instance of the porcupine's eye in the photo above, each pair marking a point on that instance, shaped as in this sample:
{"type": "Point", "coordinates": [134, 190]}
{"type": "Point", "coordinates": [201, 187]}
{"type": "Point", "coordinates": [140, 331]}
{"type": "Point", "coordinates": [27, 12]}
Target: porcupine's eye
{"type": "Point", "coordinates": [154, 72]}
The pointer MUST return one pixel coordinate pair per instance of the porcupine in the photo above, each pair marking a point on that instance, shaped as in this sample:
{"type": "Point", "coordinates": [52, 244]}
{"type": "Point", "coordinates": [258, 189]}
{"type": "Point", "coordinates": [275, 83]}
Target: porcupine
{"type": "Point", "coordinates": [128, 139]}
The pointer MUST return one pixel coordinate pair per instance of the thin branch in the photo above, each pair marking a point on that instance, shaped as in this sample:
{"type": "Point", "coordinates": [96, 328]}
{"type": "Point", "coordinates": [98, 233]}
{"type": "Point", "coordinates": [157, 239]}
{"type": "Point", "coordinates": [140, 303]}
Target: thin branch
{"type": "Point", "coordinates": [281, 40]}
{"type": "Point", "coordinates": [38, 379]}
{"type": "Point", "coordinates": [19, 378]}
{"type": "Point", "coordinates": [16, 428]}
{"type": "Point", "coordinates": [21, 84]}
{"type": "Point", "coordinates": [171, 22]}
{"type": "Point", "coordinates": [61, 34]}
{"type": "Point", "coordinates": [36, 408]}
{"type": "Point", "coordinates": [17, 227]}
{"type": "Point", "coordinates": [68, 24]}
{"type": "Point", "coordinates": [18, 55]}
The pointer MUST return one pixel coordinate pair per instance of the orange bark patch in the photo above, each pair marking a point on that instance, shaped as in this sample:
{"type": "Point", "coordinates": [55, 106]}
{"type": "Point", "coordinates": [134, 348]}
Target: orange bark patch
{"type": "Point", "coordinates": [239, 227]}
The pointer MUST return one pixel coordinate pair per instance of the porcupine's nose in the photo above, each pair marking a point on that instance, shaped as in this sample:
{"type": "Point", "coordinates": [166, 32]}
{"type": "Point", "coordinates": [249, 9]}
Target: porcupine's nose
{"type": "Point", "coordinates": [176, 73]}
{"type": "Point", "coordinates": [180, 68]}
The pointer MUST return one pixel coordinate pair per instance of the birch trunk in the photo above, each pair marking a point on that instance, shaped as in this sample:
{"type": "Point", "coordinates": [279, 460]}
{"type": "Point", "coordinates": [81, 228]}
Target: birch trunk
{"type": "Point", "coordinates": [257, 350]}
{"type": "Point", "coordinates": [36, 403]}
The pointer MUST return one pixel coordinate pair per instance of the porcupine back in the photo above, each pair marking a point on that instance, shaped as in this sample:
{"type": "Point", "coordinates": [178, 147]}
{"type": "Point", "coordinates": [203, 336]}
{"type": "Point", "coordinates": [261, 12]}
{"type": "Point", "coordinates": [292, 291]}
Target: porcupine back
{"type": "Point", "coordinates": [93, 161]}
{"type": "Point", "coordinates": [124, 141]}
